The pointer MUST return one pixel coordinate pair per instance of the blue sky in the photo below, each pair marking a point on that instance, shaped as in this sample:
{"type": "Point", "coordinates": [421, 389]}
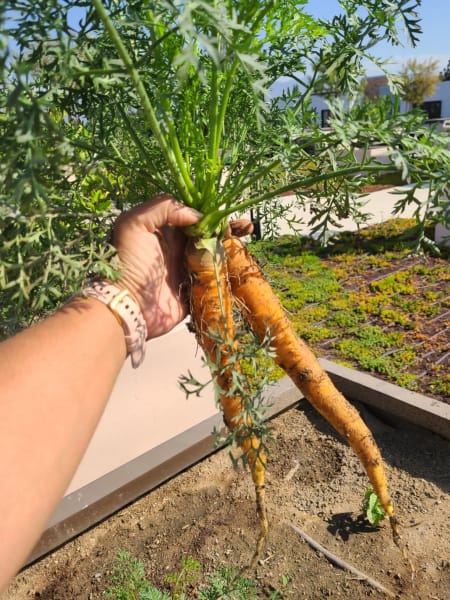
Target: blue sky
{"type": "Point", "coordinates": [434, 41]}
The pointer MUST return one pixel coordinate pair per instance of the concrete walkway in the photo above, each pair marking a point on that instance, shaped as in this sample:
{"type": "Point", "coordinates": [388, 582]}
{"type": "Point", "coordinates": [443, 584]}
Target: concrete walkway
{"type": "Point", "coordinates": [379, 205]}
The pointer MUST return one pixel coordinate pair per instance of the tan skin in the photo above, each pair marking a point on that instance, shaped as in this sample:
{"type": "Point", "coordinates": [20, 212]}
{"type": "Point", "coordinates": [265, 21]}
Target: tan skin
{"type": "Point", "coordinates": [56, 377]}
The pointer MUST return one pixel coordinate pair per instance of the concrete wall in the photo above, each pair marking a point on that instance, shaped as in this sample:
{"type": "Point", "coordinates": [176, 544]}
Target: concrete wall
{"type": "Point", "coordinates": [147, 406]}
{"type": "Point", "coordinates": [443, 94]}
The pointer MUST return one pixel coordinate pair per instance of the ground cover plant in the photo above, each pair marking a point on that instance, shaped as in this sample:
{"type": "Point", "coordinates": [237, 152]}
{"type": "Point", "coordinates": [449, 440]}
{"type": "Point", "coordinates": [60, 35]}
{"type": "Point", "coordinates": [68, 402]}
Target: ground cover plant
{"type": "Point", "coordinates": [368, 301]}
{"type": "Point", "coordinates": [138, 98]}
{"type": "Point", "coordinates": [128, 582]}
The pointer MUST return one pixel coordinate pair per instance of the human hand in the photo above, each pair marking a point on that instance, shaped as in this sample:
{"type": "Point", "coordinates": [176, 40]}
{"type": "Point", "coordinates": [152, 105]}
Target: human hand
{"type": "Point", "coordinates": [150, 245]}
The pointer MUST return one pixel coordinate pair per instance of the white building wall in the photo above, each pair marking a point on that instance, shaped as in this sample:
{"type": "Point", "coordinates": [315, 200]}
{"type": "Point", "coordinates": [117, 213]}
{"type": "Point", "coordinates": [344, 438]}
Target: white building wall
{"type": "Point", "coordinates": [319, 104]}
{"type": "Point", "coordinates": [442, 93]}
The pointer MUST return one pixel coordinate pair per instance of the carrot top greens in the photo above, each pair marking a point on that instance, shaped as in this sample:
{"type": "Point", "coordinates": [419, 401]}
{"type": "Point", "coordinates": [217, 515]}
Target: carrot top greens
{"type": "Point", "coordinates": [105, 102]}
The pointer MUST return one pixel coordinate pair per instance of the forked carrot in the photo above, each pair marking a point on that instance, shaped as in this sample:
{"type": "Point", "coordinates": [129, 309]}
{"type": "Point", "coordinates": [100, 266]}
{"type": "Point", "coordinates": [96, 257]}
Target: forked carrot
{"type": "Point", "coordinates": [266, 316]}
{"type": "Point", "coordinates": [211, 312]}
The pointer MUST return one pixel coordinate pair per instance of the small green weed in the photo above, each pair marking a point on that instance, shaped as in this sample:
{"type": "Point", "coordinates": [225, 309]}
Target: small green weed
{"type": "Point", "coordinates": [186, 576]}
{"type": "Point", "coordinates": [128, 583]}
{"type": "Point", "coordinates": [227, 583]}
{"type": "Point", "coordinates": [372, 508]}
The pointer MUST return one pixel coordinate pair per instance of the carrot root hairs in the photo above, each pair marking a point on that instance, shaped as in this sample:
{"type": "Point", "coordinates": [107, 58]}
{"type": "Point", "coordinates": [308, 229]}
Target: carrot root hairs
{"type": "Point", "coordinates": [211, 313]}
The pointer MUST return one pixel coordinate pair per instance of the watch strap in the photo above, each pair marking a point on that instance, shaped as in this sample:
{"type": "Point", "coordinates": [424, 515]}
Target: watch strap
{"type": "Point", "coordinates": [128, 313]}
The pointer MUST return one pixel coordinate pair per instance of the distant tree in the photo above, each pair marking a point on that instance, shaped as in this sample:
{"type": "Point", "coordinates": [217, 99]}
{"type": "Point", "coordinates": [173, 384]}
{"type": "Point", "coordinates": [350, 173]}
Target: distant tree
{"type": "Point", "coordinates": [445, 74]}
{"type": "Point", "coordinates": [418, 80]}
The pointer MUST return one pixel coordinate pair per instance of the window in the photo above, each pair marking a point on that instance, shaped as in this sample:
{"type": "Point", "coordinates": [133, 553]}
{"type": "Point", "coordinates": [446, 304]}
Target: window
{"type": "Point", "coordinates": [325, 115]}
{"type": "Point", "coordinates": [432, 108]}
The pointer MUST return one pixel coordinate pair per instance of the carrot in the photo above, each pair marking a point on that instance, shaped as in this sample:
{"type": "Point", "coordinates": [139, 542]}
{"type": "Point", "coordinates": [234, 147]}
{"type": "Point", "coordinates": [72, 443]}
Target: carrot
{"type": "Point", "coordinates": [211, 313]}
{"type": "Point", "coordinates": [266, 316]}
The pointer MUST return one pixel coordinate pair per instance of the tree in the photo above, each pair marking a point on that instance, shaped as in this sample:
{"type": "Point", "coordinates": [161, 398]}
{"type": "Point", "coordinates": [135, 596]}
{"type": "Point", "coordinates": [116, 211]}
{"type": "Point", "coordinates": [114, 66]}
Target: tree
{"type": "Point", "coordinates": [419, 80]}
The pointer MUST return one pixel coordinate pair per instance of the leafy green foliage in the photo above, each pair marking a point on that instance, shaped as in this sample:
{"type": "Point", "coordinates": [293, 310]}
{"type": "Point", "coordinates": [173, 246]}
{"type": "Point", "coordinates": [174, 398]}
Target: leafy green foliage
{"type": "Point", "coordinates": [185, 577]}
{"type": "Point", "coordinates": [249, 383]}
{"type": "Point", "coordinates": [104, 104]}
{"type": "Point", "coordinates": [228, 583]}
{"type": "Point", "coordinates": [129, 582]}
{"type": "Point", "coordinates": [419, 80]}
{"type": "Point", "coordinates": [372, 508]}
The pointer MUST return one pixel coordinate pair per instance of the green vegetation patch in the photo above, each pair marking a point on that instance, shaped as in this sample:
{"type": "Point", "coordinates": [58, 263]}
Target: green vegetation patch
{"type": "Point", "coordinates": [368, 301]}
{"type": "Point", "coordinates": [129, 582]}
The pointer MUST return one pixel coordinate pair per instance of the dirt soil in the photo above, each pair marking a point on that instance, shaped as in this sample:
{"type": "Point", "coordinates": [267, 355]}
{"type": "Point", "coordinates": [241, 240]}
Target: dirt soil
{"type": "Point", "coordinates": [314, 482]}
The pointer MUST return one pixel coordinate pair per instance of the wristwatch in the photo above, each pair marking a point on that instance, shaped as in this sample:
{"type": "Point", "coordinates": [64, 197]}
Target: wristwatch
{"type": "Point", "coordinates": [127, 312]}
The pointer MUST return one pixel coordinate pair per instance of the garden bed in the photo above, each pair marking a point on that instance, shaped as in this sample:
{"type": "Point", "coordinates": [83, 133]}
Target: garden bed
{"type": "Point", "coordinates": [370, 301]}
{"type": "Point", "coordinates": [315, 482]}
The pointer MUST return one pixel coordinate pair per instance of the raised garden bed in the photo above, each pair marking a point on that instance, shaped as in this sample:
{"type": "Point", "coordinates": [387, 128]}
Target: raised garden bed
{"type": "Point", "coordinates": [315, 482]}
{"type": "Point", "coordinates": [370, 301]}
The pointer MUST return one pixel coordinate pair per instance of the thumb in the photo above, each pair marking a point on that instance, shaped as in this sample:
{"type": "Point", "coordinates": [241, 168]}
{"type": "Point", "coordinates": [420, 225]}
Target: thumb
{"type": "Point", "coordinates": [157, 212]}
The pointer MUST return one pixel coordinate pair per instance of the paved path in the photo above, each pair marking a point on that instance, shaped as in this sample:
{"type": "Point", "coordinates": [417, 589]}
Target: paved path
{"type": "Point", "coordinates": [379, 205]}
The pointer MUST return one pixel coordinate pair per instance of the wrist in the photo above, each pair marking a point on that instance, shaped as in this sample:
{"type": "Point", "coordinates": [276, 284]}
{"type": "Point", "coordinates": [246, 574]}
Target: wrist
{"type": "Point", "coordinates": [126, 310]}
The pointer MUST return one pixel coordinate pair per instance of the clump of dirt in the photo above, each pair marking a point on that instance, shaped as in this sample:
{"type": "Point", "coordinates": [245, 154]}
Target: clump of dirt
{"type": "Point", "coordinates": [314, 482]}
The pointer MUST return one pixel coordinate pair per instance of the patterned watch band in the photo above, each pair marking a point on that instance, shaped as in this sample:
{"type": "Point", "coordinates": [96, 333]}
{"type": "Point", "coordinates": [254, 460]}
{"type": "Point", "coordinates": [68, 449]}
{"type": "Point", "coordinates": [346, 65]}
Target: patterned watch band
{"type": "Point", "coordinates": [127, 312]}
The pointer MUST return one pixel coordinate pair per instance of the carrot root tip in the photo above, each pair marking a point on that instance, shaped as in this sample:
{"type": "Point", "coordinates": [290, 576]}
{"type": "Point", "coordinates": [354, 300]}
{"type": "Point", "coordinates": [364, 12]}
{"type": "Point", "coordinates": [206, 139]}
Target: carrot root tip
{"type": "Point", "coordinates": [264, 524]}
{"type": "Point", "coordinates": [395, 529]}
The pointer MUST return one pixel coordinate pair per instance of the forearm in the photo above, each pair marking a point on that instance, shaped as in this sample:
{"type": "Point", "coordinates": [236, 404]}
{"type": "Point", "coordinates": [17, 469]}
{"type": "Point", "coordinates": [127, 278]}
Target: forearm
{"type": "Point", "coordinates": [55, 381]}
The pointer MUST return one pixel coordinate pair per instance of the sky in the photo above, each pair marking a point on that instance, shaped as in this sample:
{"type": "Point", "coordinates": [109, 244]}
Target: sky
{"type": "Point", "coordinates": [434, 41]}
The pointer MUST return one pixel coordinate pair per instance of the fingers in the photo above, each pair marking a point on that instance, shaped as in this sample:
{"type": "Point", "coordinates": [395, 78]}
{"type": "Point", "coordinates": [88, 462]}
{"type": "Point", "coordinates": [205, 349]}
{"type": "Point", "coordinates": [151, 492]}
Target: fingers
{"type": "Point", "coordinates": [239, 228]}
{"type": "Point", "coordinates": [165, 210]}
{"type": "Point", "coordinates": [157, 212]}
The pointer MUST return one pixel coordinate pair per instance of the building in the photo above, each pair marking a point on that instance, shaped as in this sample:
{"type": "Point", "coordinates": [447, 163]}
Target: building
{"type": "Point", "coordinates": [437, 106]}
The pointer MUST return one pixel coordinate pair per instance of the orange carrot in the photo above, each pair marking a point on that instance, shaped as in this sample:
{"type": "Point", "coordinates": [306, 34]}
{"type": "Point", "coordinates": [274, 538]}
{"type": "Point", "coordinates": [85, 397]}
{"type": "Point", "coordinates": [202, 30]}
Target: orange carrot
{"type": "Point", "coordinates": [266, 316]}
{"type": "Point", "coordinates": [211, 312]}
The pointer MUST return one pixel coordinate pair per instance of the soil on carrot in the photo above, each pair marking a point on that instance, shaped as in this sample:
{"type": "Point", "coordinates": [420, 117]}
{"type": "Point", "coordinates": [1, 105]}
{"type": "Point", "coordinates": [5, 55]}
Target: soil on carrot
{"type": "Point", "coordinates": [314, 482]}
{"type": "Point", "coordinates": [389, 302]}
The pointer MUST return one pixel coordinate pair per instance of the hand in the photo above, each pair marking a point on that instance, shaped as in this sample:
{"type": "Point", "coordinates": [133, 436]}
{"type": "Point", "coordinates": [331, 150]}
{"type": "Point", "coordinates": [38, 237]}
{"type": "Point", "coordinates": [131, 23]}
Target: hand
{"type": "Point", "coordinates": [150, 244]}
